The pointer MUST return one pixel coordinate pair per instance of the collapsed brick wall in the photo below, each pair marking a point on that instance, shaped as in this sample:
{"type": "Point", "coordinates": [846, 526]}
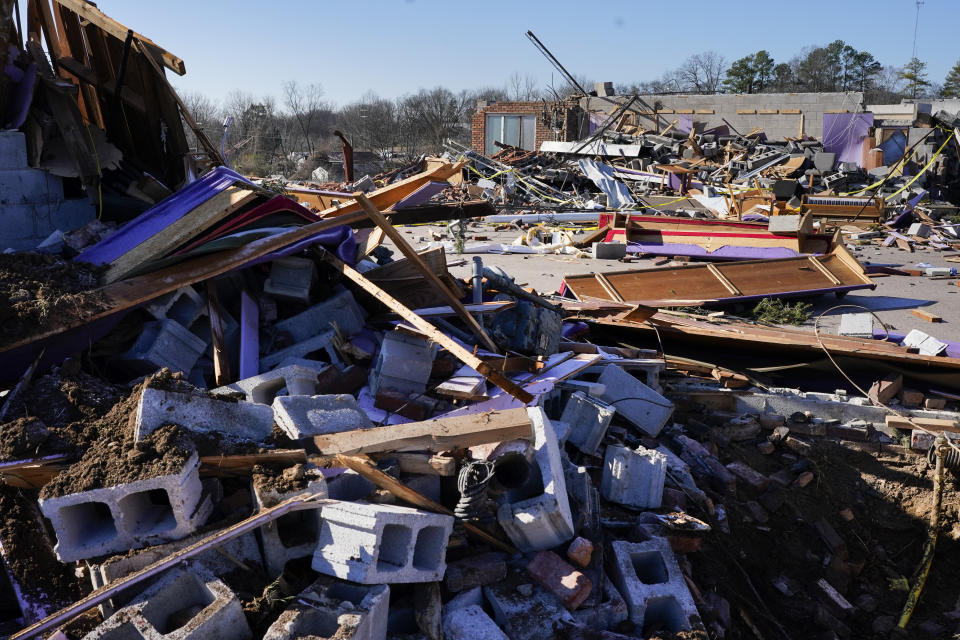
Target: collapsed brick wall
{"type": "Point", "coordinates": [544, 133]}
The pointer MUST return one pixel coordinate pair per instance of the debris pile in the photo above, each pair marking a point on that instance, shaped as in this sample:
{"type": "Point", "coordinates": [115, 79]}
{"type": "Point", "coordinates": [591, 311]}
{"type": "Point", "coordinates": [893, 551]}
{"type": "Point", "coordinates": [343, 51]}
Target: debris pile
{"type": "Point", "coordinates": [259, 410]}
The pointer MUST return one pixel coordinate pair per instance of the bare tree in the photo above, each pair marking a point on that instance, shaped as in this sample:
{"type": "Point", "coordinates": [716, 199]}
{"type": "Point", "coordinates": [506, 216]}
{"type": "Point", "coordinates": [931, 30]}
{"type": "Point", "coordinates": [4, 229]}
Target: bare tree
{"type": "Point", "coordinates": [207, 115]}
{"type": "Point", "coordinates": [702, 72]}
{"type": "Point", "coordinates": [304, 103]}
{"type": "Point", "coordinates": [371, 123]}
{"type": "Point", "coordinates": [522, 88]}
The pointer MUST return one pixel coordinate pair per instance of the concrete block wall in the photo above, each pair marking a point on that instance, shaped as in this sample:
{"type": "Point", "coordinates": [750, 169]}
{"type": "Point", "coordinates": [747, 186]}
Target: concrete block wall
{"type": "Point", "coordinates": [32, 202]}
{"type": "Point", "coordinates": [128, 516]}
{"type": "Point", "coordinates": [778, 114]}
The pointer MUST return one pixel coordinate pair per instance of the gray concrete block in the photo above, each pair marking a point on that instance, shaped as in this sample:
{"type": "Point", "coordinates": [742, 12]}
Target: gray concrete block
{"type": "Point", "coordinates": [264, 388]}
{"type": "Point", "coordinates": [611, 611]}
{"type": "Point", "coordinates": [305, 416]}
{"type": "Point", "coordinates": [339, 308]}
{"type": "Point", "coordinates": [588, 419]}
{"type": "Point", "coordinates": [29, 186]}
{"type": "Point", "coordinates": [525, 617]}
{"type": "Point", "coordinates": [322, 342]}
{"type": "Point", "coordinates": [349, 486]}
{"type": "Point", "coordinates": [291, 279]}
{"type": "Point", "coordinates": [184, 306]}
{"type": "Point", "coordinates": [382, 544]}
{"type": "Point", "coordinates": [200, 413]}
{"type": "Point", "coordinates": [403, 363]}
{"type": "Point", "coordinates": [245, 548]}
{"type": "Point", "coordinates": [128, 516]}
{"type": "Point", "coordinates": [471, 623]}
{"type": "Point", "coordinates": [649, 579]}
{"type": "Point", "coordinates": [544, 520]}
{"type": "Point", "coordinates": [784, 224]}
{"type": "Point", "coordinates": [186, 603]}
{"type": "Point", "coordinates": [918, 229]}
{"type": "Point", "coordinates": [635, 401]}
{"type": "Point", "coordinates": [163, 343]}
{"type": "Point", "coordinates": [857, 325]}
{"type": "Point", "coordinates": [292, 535]}
{"type": "Point", "coordinates": [633, 478]}
{"type": "Point", "coordinates": [608, 250]}
{"type": "Point", "coordinates": [13, 150]}
{"type": "Point", "coordinates": [332, 608]}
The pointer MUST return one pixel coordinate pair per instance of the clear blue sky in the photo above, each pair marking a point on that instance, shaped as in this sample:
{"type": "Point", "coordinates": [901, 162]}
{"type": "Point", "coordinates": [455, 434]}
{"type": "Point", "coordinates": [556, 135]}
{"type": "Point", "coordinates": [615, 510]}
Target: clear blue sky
{"type": "Point", "coordinates": [397, 46]}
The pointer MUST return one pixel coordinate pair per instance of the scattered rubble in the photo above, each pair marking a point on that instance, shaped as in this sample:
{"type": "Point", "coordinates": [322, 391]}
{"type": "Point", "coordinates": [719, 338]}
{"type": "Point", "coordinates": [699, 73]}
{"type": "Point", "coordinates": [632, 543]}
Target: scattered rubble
{"type": "Point", "coordinates": [248, 408]}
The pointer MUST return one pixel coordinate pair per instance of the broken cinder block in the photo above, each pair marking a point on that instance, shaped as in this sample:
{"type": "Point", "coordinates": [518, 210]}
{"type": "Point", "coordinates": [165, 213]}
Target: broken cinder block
{"type": "Point", "coordinates": [633, 478]}
{"type": "Point", "coordinates": [263, 388]}
{"type": "Point", "coordinates": [128, 516]}
{"type": "Point", "coordinates": [635, 401]}
{"type": "Point", "coordinates": [185, 603]}
{"type": "Point", "coordinates": [163, 344]}
{"type": "Point", "coordinates": [543, 521]}
{"type": "Point", "coordinates": [334, 608]}
{"type": "Point", "coordinates": [200, 413]}
{"type": "Point", "coordinates": [588, 419]}
{"type": "Point", "coordinates": [305, 416]}
{"type": "Point", "coordinates": [382, 544]}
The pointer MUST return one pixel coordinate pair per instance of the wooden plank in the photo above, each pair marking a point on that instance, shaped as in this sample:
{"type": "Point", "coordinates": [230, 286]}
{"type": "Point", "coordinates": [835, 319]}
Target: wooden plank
{"type": "Point", "coordinates": [221, 359]}
{"type": "Point", "coordinates": [822, 269]}
{"type": "Point", "coordinates": [723, 279]}
{"type": "Point", "coordinates": [90, 13]}
{"type": "Point", "coordinates": [930, 424]}
{"type": "Point", "coordinates": [202, 217]}
{"type": "Point", "coordinates": [84, 73]}
{"type": "Point", "coordinates": [365, 467]}
{"type": "Point", "coordinates": [422, 463]}
{"type": "Point", "coordinates": [428, 329]}
{"type": "Point", "coordinates": [440, 434]}
{"type": "Point", "coordinates": [374, 214]}
{"type": "Point", "coordinates": [926, 315]}
{"type": "Point", "coordinates": [208, 146]}
{"type": "Point", "coordinates": [608, 287]}
{"type": "Point", "coordinates": [233, 465]}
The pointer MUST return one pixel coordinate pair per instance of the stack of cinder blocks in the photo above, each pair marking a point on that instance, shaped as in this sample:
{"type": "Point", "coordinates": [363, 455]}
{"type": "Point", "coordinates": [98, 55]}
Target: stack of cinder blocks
{"type": "Point", "coordinates": [128, 516]}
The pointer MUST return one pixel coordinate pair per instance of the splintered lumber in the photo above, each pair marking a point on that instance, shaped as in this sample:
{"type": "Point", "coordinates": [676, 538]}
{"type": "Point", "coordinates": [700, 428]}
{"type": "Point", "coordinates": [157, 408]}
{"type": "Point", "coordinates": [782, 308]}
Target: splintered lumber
{"type": "Point", "coordinates": [930, 424]}
{"type": "Point", "coordinates": [163, 242]}
{"type": "Point", "coordinates": [926, 315]}
{"type": "Point", "coordinates": [242, 464]}
{"type": "Point", "coordinates": [439, 434]}
{"type": "Point", "coordinates": [213, 540]}
{"type": "Point", "coordinates": [364, 466]}
{"type": "Point", "coordinates": [387, 196]}
{"type": "Point", "coordinates": [423, 463]}
{"type": "Point", "coordinates": [428, 329]}
{"type": "Point", "coordinates": [32, 474]}
{"type": "Point", "coordinates": [91, 14]}
{"type": "Point", "coordinates": [835, 272]}
{"type": "Point", "coordinates": [425, 271]}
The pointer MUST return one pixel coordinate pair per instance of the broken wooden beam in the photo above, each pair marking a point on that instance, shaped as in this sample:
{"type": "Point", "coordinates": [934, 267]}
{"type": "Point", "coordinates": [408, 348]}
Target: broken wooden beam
{"type": "Point", "coordinates": [439, 434]}
{"type": "Point", "coordinates": [427, 329]}
{"type": "Point", "coordinates": [374, 214]}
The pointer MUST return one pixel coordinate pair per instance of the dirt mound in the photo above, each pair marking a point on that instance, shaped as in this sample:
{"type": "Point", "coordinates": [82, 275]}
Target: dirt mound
{"type": "Point", "coordinates": [38, 290]}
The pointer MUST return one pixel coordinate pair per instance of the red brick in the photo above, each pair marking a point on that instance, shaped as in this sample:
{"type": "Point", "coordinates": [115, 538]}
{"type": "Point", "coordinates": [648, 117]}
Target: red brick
{"type": "Point", "coordinates": [580, 551]}
{"type": "Point", "coordinates": [560, 578]}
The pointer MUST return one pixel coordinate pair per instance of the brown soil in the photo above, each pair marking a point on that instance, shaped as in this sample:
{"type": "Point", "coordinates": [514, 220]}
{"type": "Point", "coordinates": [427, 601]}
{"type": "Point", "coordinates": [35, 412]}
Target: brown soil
{"type": "Point", "coordinates": [29, 554]}
{"type": "Point", "coordinates": [37, 290]}
{"type": "Point", "coordinates": [279, 479]}
{"type": "Point", "coordinates": [890, 497]}
{"type": "Point", "coordinates": [108, 463]}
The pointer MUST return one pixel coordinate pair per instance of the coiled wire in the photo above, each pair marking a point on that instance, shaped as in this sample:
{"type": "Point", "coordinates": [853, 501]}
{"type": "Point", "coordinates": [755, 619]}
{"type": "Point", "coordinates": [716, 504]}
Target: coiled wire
{"type": "Point", "coordinates": [473, 482]}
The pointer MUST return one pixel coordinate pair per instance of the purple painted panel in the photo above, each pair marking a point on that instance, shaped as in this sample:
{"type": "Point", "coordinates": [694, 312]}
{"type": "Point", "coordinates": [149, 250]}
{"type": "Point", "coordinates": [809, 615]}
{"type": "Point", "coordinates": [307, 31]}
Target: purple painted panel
{"type": "Point", "coordinates": [843, 134]}
{"type": "Point", "coordinates": [684, 123]}
{"type": "Point", "coordinates": [953, 348]}
{"type": "Point", "coordinates": [160, 216]}
{"type": "Point", "coordinates": [25, 80]}
{"type": "Point", "coordinates": [421, 195]}
{"type": "Point", "coordinates": [249, 336]}
{"type": "Point", "coordinates": [726, 252]}
{"type": "Point", "coordinates": [340, 240]}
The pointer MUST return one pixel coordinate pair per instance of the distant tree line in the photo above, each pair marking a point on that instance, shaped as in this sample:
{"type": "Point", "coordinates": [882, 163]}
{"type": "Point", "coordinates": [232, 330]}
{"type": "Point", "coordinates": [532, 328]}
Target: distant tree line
{"type": "Point", "coordinates": [290, 136]}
